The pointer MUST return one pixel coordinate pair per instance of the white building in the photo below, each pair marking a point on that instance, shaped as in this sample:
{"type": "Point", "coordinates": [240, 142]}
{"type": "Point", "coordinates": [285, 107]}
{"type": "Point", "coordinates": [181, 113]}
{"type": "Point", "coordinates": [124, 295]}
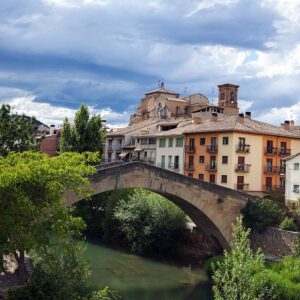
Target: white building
{"type": "Point", "coordinates": [292, 183]}
{"type": "Point", "coordinates": [170, 148]}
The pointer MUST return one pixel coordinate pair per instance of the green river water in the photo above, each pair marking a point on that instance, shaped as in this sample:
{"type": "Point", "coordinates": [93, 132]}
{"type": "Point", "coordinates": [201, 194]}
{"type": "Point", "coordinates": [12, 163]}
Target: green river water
{"type": "Point", "coordinates": [137, 278]}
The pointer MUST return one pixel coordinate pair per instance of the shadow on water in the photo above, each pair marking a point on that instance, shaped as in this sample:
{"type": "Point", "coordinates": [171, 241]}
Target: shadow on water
{"type": "Point", "coordinates": [136, 277]}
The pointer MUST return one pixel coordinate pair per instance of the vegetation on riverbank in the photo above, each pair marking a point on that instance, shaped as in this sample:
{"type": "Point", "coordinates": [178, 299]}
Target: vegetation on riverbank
{"type": "Point", "coordinates": [142, 221]}
{"type": "Point", "coordinates": [243, 274]}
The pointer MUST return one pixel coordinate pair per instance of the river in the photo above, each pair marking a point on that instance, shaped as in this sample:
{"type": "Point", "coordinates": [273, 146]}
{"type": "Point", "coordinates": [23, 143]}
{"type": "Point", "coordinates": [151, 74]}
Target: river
{"type": "Point", "coordinates": [138, 278]}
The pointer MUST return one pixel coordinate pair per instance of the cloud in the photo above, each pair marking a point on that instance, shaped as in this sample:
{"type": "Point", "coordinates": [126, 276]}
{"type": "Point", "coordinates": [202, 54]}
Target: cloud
{"type": "Point", "coordinates": [50, 114]}
{"type": "Point", "coordinates": [108, 53]}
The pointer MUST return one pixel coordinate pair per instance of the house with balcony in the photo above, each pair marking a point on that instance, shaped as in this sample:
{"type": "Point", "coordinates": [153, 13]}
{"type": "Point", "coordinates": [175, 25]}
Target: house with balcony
{"type": "Point", "coordinates": [292, 180]}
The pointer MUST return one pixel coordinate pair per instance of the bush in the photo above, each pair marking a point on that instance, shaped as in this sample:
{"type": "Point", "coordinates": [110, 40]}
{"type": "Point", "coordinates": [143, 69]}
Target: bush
{"type": "Point", "coordinates": [151, 223]}
{"type": "Point", "coordinates": [59, 272]}
{"type": "Point", "coordinates": [210, 263]}
{"type": "Point", "coordinates": [288, 224]}
{"type": "Point", "coordinates": [262, 213]}
{"type": "Point", "coordinates": [233, 276]}
{"type": "Point", "coordinates": [284, 276]}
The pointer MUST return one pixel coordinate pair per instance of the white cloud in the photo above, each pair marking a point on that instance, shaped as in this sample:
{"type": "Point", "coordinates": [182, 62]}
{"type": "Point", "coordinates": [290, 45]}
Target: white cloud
{"type": "Point", "coordinates": [50, 114]}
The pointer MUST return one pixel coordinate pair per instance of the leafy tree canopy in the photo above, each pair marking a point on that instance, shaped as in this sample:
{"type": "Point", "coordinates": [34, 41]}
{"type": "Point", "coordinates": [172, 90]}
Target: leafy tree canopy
{"type": "Point", "coordinates": [31, 206]}
{"type": "Point", "coordinates": [87, 134]}
{"type": "Point", "coordinates": [17, 133]}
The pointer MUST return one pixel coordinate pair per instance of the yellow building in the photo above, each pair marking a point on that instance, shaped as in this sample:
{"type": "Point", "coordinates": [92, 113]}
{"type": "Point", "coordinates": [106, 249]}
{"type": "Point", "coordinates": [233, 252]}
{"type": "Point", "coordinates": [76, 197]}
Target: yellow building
{"type": "Point", "coordinates": [238, 152]}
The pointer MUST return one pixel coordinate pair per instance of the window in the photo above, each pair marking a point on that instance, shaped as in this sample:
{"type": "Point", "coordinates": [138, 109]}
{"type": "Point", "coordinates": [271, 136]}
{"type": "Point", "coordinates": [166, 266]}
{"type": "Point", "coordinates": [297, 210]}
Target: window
{"type": "Point", "coordinates": [224, 178]}
{"type": "Point", "coordinates": [190, 174]}
{"type": "Point", "coordinates": [296, 188]}
{"type": "Point", "coordinates": [152, 141]}
{"type": "Point", "coordinates": [138, 140]}
{"type": "Point", "coordinates": [170, 142]}
{"type": "Point", "coordinates": [225, 140]}
{"type": "Point", "coordinates": [145, 154]}
{"type": "Point", "coordinates": [170, 161]}
{"type": "Point", "coordinates": [224, 159]}
{"type": "Point", "coordinates": [201, 159]}
{"type": "Point", "coordinates": [202, 141]}
{"type": "Point", "coordinates": [144, 141]}
{"type": "Point", "coordinates": [296, 166]}
{"type": "Point", "coordinates": [212, 178]}
{"type": "Point", "coordinates": [179, 142]}
{"type": "Point", "coordinates": [176, 162]}
{"type": "Point", "coordinates": [162, 143]}
{"type": "Point", "coordinates": [201, 176]}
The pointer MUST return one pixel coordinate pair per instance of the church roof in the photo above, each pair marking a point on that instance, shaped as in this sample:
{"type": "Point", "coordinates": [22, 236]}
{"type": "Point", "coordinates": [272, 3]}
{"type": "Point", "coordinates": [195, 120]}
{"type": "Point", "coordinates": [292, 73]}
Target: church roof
{"type": "Point", "coordinates": [162, 89]}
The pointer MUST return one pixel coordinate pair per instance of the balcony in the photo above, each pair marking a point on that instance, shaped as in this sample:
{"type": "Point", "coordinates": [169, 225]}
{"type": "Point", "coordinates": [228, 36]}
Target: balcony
{"type": "Point", "coordinates": [242, 168]}
{"type": "Point", "coordinates": [271, 151]}
{"type": "Point", "coordinates": [284, 152]}
{"type": "Point", "coordinates": [212, 148]}
{"type": "Point", "coordinates": [114, 148]}
{"type": "Point", "coordinates": [173, 167]}
{"type": "Point", "coordinates": [270, 169]}
{"type": "Point", "coordinates": [211, 168]}
{"type": "Point", "coordinates": [189, 167]}
{"type": "Point", "coordinates": [273, 188]}
{"type": "Point", "coordinates": [242, 148]}
{"type": "Point", "coordinates": [242, 187]}
{"type": "Point", "coordinates": [281, 171]}
{"type": "Point", "coordinates": [189, 148]}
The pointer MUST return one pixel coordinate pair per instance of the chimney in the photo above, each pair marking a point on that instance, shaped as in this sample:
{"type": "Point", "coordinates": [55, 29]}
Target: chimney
{"type": "Point", "coordinates": [286, 125]}
{"type": "Point", "coordinates": [214, 117]}
{"type": "Point", "coordinates": [248, 114]}
{"type": "Point", "coordinates": [292, 125]}
{"type": "Point", "coordinates": [196, 119]}
{"type": "Point", "coordinates": [241, 118]}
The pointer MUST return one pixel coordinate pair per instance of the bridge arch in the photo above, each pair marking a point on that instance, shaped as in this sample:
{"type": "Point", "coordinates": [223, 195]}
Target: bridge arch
{"type": "Point", "coordinates": [211, 207]}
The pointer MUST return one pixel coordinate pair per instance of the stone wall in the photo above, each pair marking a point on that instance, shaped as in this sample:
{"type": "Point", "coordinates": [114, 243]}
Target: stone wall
{"type": "Point", "coordinates": [275, 242]}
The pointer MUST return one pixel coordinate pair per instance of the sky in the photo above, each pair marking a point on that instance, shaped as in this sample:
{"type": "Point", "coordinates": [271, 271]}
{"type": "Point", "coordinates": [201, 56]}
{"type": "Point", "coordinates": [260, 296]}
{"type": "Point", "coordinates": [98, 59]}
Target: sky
{"type": "Point", "coordinates": [57, 54]}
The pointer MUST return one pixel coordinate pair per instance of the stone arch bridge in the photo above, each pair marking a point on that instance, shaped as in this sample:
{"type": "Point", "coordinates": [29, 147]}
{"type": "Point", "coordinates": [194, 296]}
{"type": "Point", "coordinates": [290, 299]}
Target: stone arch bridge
{"type": "Point", "coordinates": [211, 207]}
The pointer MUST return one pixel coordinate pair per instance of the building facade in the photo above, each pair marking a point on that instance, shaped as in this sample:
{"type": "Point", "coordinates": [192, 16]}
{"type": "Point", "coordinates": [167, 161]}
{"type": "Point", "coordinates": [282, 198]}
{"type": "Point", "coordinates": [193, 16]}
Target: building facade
{"type": "Point", "coordinates": [292, 187]}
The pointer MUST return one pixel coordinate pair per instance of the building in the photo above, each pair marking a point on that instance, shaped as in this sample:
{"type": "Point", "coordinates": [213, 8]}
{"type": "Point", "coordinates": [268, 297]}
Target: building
{"type": "Point", "coordinates": [239, 152]}
{"type": "Point", "coordinates": [292, 187]}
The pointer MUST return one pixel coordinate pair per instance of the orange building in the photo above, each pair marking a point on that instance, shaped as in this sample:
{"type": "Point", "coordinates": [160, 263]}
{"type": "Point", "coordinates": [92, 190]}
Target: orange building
{"type": "Point", "coordinates": [238, 152]}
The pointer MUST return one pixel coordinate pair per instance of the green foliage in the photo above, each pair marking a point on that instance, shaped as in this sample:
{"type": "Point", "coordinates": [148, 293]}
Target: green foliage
{"type": "Point", "coordinates": [105, 294]}
{"type": "Point", "coordinates": [288, 224]}
{"type": "Point", "coordinates": [87, 133]}
{"type": "Point", "coordinates": [17, 133]}
{"type": "Point", "coordinates": [60, 272]}
{"type": "Point", "coordinates": [262, 213]}
{"type": "Point", "coordinates": [284, 277]}
{"type": "Point", "coordinates": [210, 263]}
{"type": "Point", "coordinates": [150, 223]}
{"type": "Point", "coordinates": [234, 276]}
{"type": "Point", "coordinates": [31, 206]}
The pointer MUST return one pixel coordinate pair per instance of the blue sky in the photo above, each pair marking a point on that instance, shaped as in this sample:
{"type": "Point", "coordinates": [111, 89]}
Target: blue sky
{"type": "Point", "coordinates": [56, 54]}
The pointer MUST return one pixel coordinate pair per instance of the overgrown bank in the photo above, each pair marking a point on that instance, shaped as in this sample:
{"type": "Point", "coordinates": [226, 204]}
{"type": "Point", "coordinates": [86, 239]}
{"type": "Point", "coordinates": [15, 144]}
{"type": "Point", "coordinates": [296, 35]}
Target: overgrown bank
{"type": "Point", "coordinates": [141, 221]}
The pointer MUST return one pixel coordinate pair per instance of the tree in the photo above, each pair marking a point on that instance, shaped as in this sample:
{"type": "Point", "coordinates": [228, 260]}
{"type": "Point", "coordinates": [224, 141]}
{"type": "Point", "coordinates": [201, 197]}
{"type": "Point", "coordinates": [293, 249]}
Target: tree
{"type": "Point", "coordinates": [31, 200]}
{"type": "Point", "coordinates": [234, 275]}
{"type": "Point", "coordinates": [17, 133]}
{"type": "Point", "coordinates": [87, 134]}
{"type": "Point", "coordinates": [151, 223]}
{"type": "Point", "coordinates": [262, 213]}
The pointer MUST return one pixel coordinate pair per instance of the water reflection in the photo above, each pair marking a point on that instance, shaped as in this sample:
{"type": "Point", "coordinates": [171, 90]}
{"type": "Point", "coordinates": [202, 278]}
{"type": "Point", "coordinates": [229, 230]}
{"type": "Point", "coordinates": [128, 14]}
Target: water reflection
{"type": "Point", "coordinates": [137, 278]}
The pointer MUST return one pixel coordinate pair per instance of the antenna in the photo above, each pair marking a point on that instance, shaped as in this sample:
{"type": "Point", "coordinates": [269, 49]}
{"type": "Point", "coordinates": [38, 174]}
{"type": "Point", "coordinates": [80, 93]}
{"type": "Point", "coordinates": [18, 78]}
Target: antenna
{"type": "Point", "coordinates": [185, 90]}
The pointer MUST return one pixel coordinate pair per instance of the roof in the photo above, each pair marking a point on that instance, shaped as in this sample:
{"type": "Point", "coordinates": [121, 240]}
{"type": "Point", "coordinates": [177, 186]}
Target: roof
{"type": "Point", "coordinates": [177, 100]}
{"type": "Point", "coordinates": [143, 126]}
{"type": "Point", "coordinates": [162, 89]}
{"type": "Point", "coordinates": [291, 156]}
{"type": "Point", "coordinates": [233, 123]}
{"type": "Point", "coordinates": [228, 84]}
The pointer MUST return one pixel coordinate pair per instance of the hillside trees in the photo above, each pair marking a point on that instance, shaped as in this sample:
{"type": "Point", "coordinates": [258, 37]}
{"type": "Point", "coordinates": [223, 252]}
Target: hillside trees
{"type": "Point", "coordinates": [17, 132]}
